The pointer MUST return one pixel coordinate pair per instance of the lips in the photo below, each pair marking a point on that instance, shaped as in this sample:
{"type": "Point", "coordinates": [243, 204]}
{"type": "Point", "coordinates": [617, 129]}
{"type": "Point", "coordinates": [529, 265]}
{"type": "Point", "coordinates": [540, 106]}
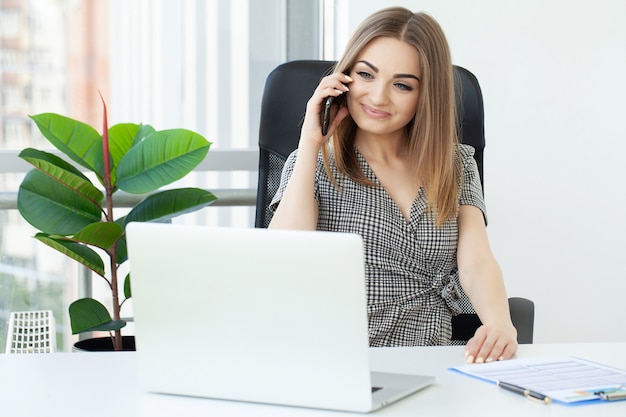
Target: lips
{"type": "Point", "coordinates": [374, 113]}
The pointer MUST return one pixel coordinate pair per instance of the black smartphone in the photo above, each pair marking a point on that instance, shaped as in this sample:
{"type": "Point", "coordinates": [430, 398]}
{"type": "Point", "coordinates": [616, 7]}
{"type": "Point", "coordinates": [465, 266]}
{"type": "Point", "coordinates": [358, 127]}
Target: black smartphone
{"type": "Point", "coordinates": [327, 107]}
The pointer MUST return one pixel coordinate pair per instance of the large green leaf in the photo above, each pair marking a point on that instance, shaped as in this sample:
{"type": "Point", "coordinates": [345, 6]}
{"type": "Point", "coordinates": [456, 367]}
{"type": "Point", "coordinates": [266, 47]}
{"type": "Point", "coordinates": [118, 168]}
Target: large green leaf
{"type": "Point", "coordinates": [89, 315]}
{"type": "Point", "coordinates": [160, 159]}
{"type": "Point", "coordinates": [127, 290]}
{"type": "Point", "coordinates": [102, 235]}
{"type": "Point", "coordinates": [53, 208]}
{"type": "Point", "coordinates": [63, 172]}
{"type": "Point", "coordinates": [121, 138]}
{"type": "Point", "coordinates": [81, 142]}
{"type": "Point", "coordinates": [121, 251]}
{"type": "Point", "coordinates": [168, 204]}
{"type": "Point", "coordinates": [77, 251]}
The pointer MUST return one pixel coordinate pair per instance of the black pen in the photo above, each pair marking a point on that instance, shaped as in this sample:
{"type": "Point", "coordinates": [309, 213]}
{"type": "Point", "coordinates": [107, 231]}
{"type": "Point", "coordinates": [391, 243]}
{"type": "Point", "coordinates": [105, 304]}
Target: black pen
{"type": "Point", "coordinates": [525, 392]}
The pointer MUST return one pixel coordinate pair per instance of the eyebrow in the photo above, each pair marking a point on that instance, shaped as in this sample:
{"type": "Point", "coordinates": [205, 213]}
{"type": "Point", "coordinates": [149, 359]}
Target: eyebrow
{"type": "Point", "coordinates": [375, 69]}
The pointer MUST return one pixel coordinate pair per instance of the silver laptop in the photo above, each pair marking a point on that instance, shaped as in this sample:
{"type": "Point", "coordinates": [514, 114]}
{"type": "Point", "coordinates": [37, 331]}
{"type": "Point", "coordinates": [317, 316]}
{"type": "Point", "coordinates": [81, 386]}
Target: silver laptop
{"type": "Point", "coordinates": [256, 315]}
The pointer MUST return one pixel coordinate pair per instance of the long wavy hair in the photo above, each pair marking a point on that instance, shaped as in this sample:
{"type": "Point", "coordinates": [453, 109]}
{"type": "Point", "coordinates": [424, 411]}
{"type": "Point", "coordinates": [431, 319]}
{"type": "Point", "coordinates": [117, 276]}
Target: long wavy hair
{"type": "Point", "coordinates": [432, 140]}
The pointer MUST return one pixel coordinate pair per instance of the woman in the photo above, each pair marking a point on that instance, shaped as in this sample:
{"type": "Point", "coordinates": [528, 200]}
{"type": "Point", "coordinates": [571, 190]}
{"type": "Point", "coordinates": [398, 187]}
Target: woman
{"type": "Point", "coordinates": [391, 169]}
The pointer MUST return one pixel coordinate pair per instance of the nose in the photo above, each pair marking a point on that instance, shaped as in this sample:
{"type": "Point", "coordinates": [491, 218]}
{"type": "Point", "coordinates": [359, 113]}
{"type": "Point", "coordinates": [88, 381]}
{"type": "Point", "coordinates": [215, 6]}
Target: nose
{"type": "Point", "coordinates": [378, 93]}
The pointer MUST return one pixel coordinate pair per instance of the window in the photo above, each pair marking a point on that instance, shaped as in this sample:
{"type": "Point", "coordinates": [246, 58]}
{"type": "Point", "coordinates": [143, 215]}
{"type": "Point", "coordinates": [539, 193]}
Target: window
{"type": "Point", "coordinates": [192, 63]}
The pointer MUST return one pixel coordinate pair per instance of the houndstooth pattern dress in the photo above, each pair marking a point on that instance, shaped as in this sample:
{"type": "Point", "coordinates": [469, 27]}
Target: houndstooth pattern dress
{"type": "Point", "coordinates": [411, 269]}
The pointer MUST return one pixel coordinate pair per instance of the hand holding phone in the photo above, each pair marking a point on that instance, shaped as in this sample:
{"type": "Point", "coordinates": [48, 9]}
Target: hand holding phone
{"type": "Point", "coordinates": [327, 107]}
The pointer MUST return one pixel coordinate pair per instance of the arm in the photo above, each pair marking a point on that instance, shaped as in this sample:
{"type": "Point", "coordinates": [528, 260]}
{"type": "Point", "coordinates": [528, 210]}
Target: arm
{"type": "Point", "coordinates": [298, 208]}
{"type": "Point", "coordinates": [482, 281]}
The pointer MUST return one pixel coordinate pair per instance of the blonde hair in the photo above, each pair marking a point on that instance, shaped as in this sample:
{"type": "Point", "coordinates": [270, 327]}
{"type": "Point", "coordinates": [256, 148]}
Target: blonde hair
{"type": "Point", "coordinates": [432, 135]}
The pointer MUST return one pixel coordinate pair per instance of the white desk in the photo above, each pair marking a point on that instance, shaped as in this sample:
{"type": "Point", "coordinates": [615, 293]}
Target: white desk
{"type": "Point", "coordinates": [106, 384]}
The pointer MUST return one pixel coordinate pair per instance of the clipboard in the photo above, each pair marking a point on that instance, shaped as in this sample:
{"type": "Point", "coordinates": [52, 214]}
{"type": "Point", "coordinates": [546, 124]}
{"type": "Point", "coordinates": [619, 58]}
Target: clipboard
{"type": "Point", "coordinates": [564, 379]}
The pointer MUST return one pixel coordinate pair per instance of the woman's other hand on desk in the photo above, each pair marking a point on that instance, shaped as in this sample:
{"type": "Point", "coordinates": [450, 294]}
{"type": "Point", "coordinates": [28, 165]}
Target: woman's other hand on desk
{"type": "Point", "coordinates": [491, 343]}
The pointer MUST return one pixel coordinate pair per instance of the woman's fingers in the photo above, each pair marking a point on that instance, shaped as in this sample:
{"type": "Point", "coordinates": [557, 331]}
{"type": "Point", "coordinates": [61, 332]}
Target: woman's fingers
{"type": "Point", "coordinates": [331, 85]}
{"type": "Point", "coordinates": [490, 344]}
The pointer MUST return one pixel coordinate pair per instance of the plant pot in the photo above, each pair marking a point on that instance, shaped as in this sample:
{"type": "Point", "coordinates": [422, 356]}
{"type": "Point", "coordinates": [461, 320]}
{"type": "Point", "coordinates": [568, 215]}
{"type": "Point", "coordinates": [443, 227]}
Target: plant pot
{"type": "Point", "coordinates": [103, 344]}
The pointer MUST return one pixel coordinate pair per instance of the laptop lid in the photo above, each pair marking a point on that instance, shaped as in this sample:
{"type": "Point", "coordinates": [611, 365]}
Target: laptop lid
{"type": "Point", "coordinates": [251, 315]}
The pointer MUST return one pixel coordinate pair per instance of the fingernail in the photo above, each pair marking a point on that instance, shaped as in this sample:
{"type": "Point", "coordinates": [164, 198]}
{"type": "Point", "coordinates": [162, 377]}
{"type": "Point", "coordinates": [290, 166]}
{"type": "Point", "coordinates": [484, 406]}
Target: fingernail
{"type": "Point", "coordinates": [348, 78]}
{"type": "Point", "coordinates": [470, 359]}
{"type": "Point", "coordinates": [466, 353]}
{"type": "Point", "coordinates": [480, 360]}
{"type": "Point", "coordinates": [501, 358]}
{"type": "Point", "coordinates": [489, 360]}
{"type": "Point", "coordinates": [346, 87]}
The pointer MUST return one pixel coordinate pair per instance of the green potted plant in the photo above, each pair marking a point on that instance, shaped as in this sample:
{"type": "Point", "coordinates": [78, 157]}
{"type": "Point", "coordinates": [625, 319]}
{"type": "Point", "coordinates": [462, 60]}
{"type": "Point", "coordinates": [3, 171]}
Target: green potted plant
{"type": "Point", "coordinates": [75, 217]}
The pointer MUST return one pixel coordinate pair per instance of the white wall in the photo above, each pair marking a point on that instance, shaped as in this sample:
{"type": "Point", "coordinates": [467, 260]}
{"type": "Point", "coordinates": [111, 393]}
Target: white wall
{"type": "Point", "coordinates": [553, 75]}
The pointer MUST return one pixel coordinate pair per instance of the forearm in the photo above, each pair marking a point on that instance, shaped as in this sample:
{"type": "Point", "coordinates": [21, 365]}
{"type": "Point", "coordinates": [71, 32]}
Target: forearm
{"type": "Point", "coordinates": [484, 286]}
{"type": "Point", "coordinates": [496, 339]}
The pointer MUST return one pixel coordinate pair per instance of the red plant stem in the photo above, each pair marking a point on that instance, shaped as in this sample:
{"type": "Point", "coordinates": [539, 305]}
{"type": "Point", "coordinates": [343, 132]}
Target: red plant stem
{"type": "Point", "coordinates": [117, 339]}
{"type": "Point", "coordinates": [107, 163]}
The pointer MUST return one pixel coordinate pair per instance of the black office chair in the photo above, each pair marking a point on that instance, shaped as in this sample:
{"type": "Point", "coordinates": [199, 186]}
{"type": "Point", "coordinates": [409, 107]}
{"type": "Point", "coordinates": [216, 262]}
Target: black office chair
{"type": "Point", "coordinates": [522, 315]}
{"type": "Point", "coordinates": [287, 90]}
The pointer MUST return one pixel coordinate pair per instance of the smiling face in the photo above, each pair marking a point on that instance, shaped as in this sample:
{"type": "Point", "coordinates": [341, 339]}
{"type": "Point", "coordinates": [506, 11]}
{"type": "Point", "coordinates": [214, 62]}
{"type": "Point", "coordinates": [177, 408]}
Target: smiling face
{"type": "Point", "coordinates": [383, 96]}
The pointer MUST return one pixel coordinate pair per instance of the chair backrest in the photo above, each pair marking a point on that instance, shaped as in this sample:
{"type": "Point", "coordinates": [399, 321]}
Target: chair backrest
{"type": "Point", "coordinates": [31, 332]}
{"type": "Point", "coordinates": [287, 90]}
{"type": "Point", "coordinates": [522, 315]}
{"type": "Point", "coordinates": [523, 318]}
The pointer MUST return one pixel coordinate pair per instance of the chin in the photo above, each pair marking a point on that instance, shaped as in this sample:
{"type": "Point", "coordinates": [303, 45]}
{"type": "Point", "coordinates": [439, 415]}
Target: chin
{"type": "Point", "coordinates": [377, 127]}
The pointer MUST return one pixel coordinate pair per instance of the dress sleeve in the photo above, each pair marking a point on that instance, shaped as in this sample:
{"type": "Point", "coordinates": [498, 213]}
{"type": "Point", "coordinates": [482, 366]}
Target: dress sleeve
{"type": "Point", "coordinates": [284, 179]}
{"type": "Point", "coordinates": [471, 192]}
{"type": "Point", "coordinates": [286, 175]}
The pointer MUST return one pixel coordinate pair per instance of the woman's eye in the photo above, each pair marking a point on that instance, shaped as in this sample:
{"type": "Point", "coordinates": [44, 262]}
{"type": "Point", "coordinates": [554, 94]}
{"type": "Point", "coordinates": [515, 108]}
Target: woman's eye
{"type": "Point", "coordinates": [364, 74]}
{"type": "Point", "coordinates": [404, 87]}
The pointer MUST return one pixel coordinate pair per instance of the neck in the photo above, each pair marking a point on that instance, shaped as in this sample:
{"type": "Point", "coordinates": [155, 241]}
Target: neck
{"type": "Point", "coordinates": [381, 148]}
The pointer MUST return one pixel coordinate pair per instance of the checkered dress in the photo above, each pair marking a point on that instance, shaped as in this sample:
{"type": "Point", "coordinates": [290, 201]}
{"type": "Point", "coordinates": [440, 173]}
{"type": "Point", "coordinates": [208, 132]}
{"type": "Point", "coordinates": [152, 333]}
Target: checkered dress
{"type": "Point", "coordinates": [411, 268]}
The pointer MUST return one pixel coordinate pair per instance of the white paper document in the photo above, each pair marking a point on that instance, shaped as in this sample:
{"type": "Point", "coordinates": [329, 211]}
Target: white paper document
{"type": "Point", "coordinates": [563, 379]}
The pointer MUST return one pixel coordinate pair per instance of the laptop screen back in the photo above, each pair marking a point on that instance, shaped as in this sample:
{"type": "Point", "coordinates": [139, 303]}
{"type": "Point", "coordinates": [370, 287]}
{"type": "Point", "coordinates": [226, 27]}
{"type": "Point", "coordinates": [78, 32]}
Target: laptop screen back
{"type": "Point", "coordinates": [251, 314]}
